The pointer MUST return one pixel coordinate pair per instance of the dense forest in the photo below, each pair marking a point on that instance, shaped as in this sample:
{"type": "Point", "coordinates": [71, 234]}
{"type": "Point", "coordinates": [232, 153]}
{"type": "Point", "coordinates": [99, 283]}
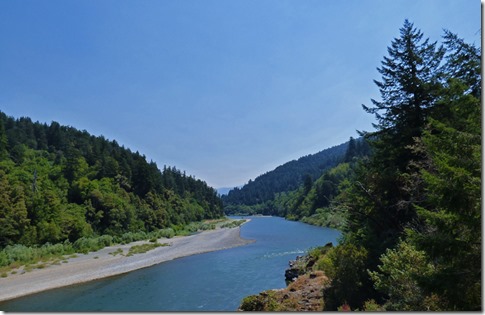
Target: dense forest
{"type": "Point", "coordinates": [60, 184]}
{"type": "Point", "coordinates": [311, 196]}
{"type": "Point", "coordinates": [410, 208]}
{"type": "Point", "coordinates": [318, 202]}
{"type": "Point", "coordinates": [258, 195]}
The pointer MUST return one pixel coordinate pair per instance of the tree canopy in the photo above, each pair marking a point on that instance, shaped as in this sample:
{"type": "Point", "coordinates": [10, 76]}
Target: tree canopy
{"type": "Point", "coordinates": [59, 183]}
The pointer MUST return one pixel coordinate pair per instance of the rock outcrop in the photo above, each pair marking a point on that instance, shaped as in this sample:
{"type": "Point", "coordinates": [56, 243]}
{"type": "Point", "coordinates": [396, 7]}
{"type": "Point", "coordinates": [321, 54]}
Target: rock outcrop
{"type": "Point", "coordinates": [303, 294]}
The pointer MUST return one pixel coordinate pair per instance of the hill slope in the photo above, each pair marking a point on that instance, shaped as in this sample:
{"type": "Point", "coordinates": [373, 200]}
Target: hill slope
{"type": "Point", "coordinates": [286, 177]}
{"type": "Point", "coordinates": [58, 183]}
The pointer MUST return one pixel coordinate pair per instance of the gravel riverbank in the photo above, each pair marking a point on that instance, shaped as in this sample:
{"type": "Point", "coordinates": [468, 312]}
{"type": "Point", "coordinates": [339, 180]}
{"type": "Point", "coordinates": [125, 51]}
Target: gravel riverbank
{"type": "Point", "coordinates": [101, 264]}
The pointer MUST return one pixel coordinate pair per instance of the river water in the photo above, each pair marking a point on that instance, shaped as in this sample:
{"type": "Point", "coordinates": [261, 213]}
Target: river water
{"type": "Point", "coordinates": [215, 281]}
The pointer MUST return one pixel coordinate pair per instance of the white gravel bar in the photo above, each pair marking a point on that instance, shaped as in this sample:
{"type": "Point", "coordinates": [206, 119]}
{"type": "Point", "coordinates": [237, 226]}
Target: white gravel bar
{"type": "Point", "coordinates": [102, 264]}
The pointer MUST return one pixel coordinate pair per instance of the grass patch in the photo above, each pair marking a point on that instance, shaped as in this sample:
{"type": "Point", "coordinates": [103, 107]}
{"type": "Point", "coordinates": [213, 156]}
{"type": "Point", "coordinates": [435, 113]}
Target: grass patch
{"type": "Point", "coordinates": [232, 224]}
{"type": "Point", "coordinates": [116, 252]}
{"type": "Point", "coordinates": [143, 248]}
{"type": "Point", "coordinates": [95, 257]}
{"type": "Point", "coordinates": [4, 275]}
{"type": "Point", "coordinates": [40, 266]}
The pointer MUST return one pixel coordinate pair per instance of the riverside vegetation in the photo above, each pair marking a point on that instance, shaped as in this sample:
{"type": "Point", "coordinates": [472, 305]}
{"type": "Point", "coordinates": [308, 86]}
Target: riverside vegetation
{"type": "Point", "coordinates": [410, 206]}
{"type": "Point", "coordinates": [64, 191]}
{"type": "Point", "coordinates": [12, 257]}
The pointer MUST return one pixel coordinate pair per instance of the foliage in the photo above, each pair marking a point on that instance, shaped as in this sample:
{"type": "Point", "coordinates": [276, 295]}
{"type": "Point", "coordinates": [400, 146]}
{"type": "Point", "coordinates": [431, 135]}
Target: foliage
{"type": "Point", "coordinates": [349, 283]}
{"type": "Point", "coordinates": [315, 202]}
{"type": "Point", "coordinates": [58, 183]}
{"type": "Point", "coordinates": [398, 276]}
{"type": "Point", "coordinates": [284, 178]}
{"type": "Point", "coordinates": [252, 303]}
{"type": "Point", "coordinates": [233, 224]}
{"type": "Point", "coordinates": [411, 207]}
{"type": "Point", "coordinates": [143, 248]}
{"type": "Point", "coordinates": [372, 306]}
{"type": "Point", "coordinates": [451, 218]}
{"type": "Point", "coordinates": [415, 205]}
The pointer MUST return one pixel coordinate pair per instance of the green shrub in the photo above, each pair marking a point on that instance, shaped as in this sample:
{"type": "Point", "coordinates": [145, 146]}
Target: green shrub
{"type": "Point", "coordinates": [143, 248]}
{"type": "Point", "coordinates": [233, 224]}
{"type": "Point", "coordinates": [252, 303]}
{"type": "Point", "coordinates": [347, 270]}
{"type": "Point", "coordinates": [19, 253]}
{"type": "Point", "coordinates": [167, 233]}
{"type": "Point", "coordinates": [105, 240]}
{"type": "Point", "coordinates": [85, 245]}
{"type": "Point", "coordinates": [372, 306]}
{"type": "Point", "coordinates": [4, 261]}
{"type": "Point", "coordinates": [397, 277]}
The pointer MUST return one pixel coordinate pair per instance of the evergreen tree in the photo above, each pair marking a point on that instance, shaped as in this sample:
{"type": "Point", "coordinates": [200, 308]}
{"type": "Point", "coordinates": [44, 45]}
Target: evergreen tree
{"type": "Point", "coordinates": [380, 205]}
{"type": "Point", "coordinates": [351, 150]}
{"type": "Point", "coordinates": [409, 88]}
{"type": "Point", "coordinates": [450, 232]}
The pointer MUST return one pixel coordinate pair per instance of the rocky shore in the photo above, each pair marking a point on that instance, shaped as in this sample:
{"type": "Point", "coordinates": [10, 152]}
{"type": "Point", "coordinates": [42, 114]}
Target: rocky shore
{"type": "Point", "coordinates": [303, 293]}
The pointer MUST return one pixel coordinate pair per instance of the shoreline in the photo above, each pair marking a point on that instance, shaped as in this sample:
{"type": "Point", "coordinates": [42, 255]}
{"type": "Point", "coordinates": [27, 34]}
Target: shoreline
{"type": "Point", "coordinates": [103, 264]}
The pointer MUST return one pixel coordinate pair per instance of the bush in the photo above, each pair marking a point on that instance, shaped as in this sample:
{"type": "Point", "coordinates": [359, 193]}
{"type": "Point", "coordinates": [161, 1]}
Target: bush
{"type": "Point", "coordinates": [167, 233]}
{"type": "Point", "coordinates": [20, 253]}
{"type": "Point", "coordinates": [130, 237]}
{"type": "Point", "coordinates": [347, 269]}
{"type": "Point", "coordinates": [325, 264]}
{"type": "Point", "coordinates": [252, 303]}
{"type": "Point", "coordinates": [4, 261]}
{"type": "Point", "coordinates": [232, 224]}
{"type": "Point", "coordinates": [85, 245]}
{"type": "Point", "coordinates": [372, 306]}
{"type": "Point", "coordinates": [53, 250]}
{"type": "Point", "coordinates": [105, 240]}
{"type": "Point", "coordinates": [397, 277]}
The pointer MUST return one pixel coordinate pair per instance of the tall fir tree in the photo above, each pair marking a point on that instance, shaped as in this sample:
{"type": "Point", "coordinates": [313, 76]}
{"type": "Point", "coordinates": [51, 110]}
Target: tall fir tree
{"type": "Point", "coordinates": [451, 229]}
{"type": "Point", "coordinates": [409, 88]}
{"type": "Point", "coordinates": [380, 205]}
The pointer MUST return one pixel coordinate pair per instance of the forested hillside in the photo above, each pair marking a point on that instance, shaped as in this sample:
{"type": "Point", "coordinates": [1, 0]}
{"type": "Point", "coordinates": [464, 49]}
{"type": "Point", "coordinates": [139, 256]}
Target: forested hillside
{"type": "Point", "coordinates": [58, 183]}
{"type": "Point", "coordinates": [256, 194]}
{"type": "Point", "coordinates": [318, 202]}
{"type": "Point", "coordinates": [413, 229]}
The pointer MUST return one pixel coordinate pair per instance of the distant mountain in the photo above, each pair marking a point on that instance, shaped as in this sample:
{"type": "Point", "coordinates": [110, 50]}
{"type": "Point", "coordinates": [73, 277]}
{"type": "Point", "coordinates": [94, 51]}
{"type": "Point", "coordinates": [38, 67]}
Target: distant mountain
{"type": "Point", "coordinates": [286, 177]}
{"type": "Point", "coordinates": [225, 190]}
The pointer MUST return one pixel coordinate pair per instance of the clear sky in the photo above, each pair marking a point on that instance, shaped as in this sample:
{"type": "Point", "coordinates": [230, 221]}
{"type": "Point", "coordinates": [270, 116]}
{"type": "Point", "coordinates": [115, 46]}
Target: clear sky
{"type": "Point", "coordinates": [224, 89]}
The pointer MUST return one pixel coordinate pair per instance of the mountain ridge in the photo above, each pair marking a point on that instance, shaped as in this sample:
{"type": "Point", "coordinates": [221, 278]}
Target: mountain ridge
{"type": "Point", "coordinates": [285, 177]}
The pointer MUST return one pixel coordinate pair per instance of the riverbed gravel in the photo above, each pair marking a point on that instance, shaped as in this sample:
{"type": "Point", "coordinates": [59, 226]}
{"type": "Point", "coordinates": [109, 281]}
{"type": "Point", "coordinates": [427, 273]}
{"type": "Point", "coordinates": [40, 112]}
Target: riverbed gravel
{"type": "Point", "coordinates": [109, 262]}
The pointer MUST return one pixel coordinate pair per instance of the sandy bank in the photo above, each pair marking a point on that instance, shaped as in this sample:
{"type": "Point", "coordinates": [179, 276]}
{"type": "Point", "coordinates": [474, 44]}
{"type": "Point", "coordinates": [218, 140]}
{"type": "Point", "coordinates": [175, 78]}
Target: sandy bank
{"type": "Point", "coordinates": [102, 264]}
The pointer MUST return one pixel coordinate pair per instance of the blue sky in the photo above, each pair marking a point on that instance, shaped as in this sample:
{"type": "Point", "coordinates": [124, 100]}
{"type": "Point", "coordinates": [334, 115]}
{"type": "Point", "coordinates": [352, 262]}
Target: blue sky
{"type": "Point", "coordinates": [225, 90]}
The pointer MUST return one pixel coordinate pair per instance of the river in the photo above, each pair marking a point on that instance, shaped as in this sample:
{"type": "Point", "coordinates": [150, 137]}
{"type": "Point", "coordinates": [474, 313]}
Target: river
{"type": "Point", "coordinates": [215, 281]}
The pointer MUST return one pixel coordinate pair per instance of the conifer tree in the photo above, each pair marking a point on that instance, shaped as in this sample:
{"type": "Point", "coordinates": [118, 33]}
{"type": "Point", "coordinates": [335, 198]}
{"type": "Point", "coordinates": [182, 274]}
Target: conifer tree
{"type": "Point", "coordinates": [451, 216]}
{"type": "Point", "coordinates": [409, 88]}
{"type": "Point", "coordinates": [380, 205]}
